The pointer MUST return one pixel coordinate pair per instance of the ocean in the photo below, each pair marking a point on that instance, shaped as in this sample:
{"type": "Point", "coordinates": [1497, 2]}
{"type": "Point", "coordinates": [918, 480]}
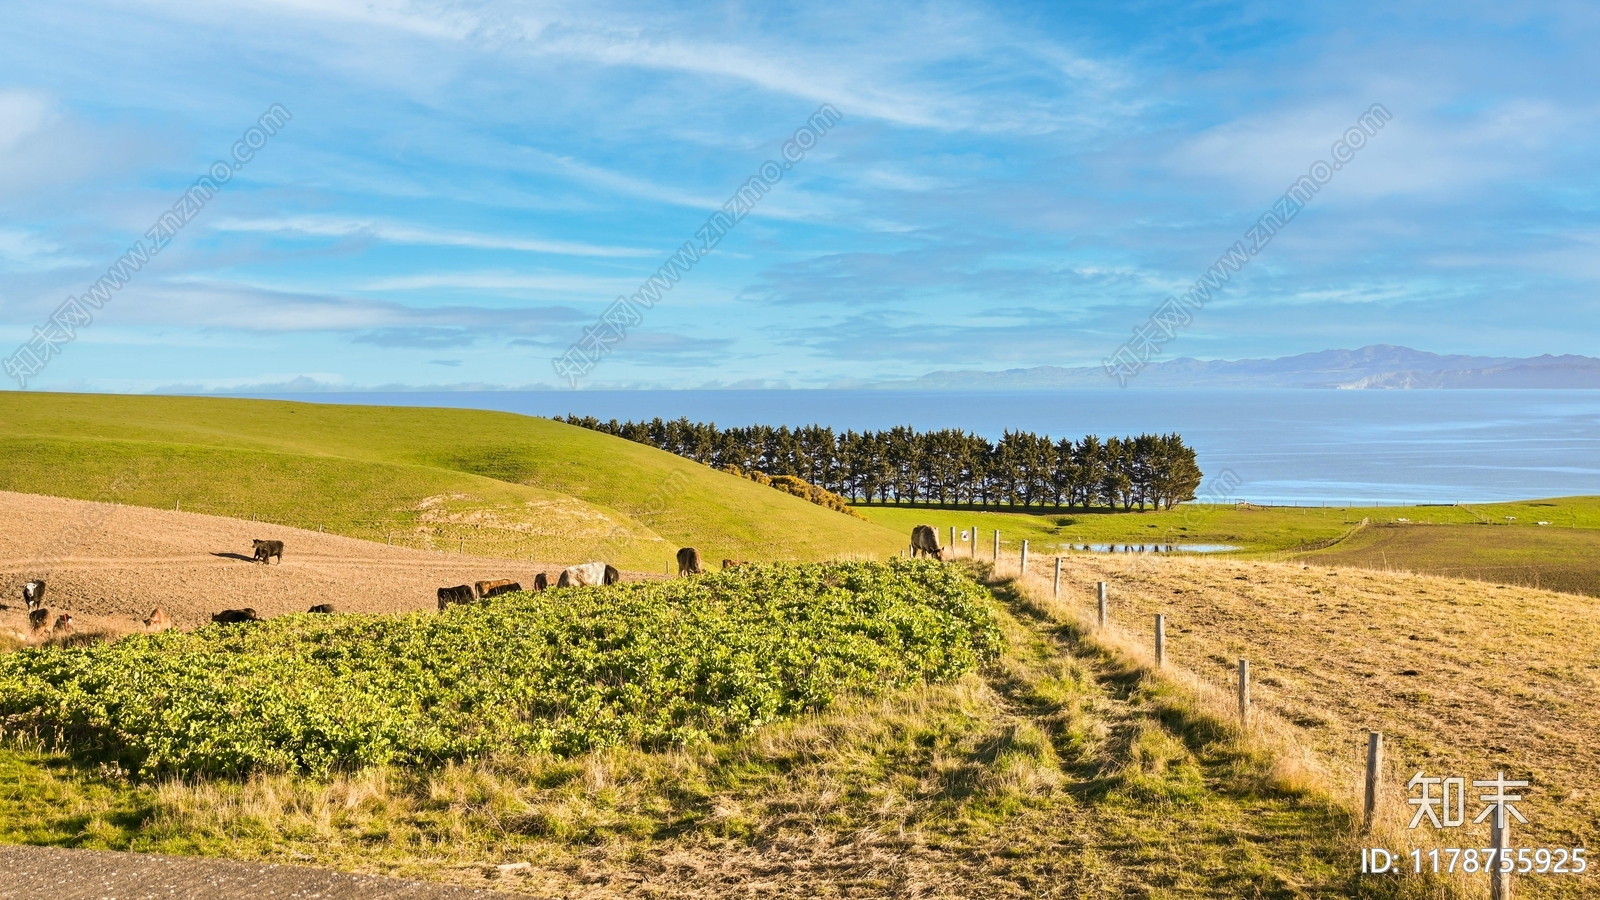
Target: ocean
{"type": "Point", "coordinates": [1266, 446]}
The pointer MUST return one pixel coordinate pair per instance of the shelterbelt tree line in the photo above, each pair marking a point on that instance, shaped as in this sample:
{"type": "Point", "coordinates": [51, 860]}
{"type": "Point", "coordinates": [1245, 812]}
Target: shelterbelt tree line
{"type": "Point", "coordinates": [949, 466]}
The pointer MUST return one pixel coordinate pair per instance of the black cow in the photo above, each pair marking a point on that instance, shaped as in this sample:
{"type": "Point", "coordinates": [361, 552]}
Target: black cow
{"type": "Point", "coordinates": [612, 575]}
{"type": "Point", "coordinates": [33, 594]}
{"type": "Point", "coordinates": [688, 562]}
{"type": "Point", "coordinates": [461, 593]}
{"type": "Point", "coordinates": [541, 582]}
{"type": "Point", "coordinates": [321, 608]}
{"type": "Point", "coordinates": [38, 619]}
{"type": "Point", "coordinates": [235, 616]}
{"type": "Point", "coordinates": [266, 550]}
{"type": "Point", "coordinates": [925, 542]}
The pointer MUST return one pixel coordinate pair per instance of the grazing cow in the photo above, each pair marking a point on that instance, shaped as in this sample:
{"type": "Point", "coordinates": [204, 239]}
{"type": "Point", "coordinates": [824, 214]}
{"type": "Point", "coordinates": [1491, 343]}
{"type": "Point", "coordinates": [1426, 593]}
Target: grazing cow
{"type": "Point", "coordinates": [38, 619]}
{"type": "Point", "coordinates": [731, 564]}
{"type": "Point", "coordinates": [589, 573]}
{"type": "Point", "coordinates": [925, 542]}
{"type": "Point", "coordinates": [322, 608]}
{"type": "Point", "coordinates": [612, 576]}
{"type": "Point", "coordinates": [157, 620]}
{"type": "Point", "coordinates": [688, 562]}
{"type": "Point", "coordinates": [63, 624]}
{"type": "Point", "coordinates": [235, 616]}
{"type": "Point", "coordinates": [541, 582]}
{"type": "Point", "coordinates": [461, 593]}
{"type": "Point", "coordinates": [33, 594]}
{"type": "Point", "coordinates": [487, 589]}
{"type": "Point", "coordinates": [266, 550]}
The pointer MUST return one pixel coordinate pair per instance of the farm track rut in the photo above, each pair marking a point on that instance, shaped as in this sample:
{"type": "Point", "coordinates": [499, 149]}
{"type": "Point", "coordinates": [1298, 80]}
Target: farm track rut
{"type": "Point", "coordinates": [28, 873]}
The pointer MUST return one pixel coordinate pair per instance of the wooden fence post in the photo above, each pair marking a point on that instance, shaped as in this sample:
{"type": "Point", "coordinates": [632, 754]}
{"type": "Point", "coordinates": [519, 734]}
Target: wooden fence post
{"type": "Point", "coordinates": [1500, 841]}
{"type": "Point", "coordinates": [1101, 585]}
{"type": "Point", "coordinates": [1022, 567]}
{"type": "Point", "coordinates": [997, 549]}
{"type": "Point", "coordinates": [974, 542]}
{"type": "Point", "coordinates": [1244, 691]}
{"type": "Point", "coordinates": [952, 540]}
{"type": "Point", "coordinates": [1056, 591]}
{"type": "Point", "coordinates": [1161, 640]}
{"type": "Point", "coordinates": [1369, 809]}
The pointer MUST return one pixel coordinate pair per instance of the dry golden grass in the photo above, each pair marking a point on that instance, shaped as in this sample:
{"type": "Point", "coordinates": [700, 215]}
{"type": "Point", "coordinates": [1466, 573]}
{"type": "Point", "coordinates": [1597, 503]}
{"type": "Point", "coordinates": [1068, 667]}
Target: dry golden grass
{"type": "Point", "coordinates": [1463, 678]}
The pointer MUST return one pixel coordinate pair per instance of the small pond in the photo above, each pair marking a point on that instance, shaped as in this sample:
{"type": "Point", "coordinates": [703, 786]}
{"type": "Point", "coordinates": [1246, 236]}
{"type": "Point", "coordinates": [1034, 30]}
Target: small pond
{"type": "Point", "coordinates": [1151, 548]}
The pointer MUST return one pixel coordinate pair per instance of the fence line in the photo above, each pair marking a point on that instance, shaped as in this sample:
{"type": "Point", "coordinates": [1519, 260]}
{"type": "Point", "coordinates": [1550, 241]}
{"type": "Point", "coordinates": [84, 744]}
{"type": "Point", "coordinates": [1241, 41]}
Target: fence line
{"type": "Point", "coordinates": [1256, 726]}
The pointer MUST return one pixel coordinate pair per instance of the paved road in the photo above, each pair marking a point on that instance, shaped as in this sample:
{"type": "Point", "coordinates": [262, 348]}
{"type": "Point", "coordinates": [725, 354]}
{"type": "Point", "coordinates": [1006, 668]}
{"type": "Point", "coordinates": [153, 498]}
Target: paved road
{"type": "Point", "coordinates": [35, 873]}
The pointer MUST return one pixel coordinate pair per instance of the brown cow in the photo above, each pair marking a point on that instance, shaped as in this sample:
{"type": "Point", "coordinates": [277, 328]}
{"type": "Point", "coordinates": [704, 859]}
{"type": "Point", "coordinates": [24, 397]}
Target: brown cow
{"type": "Point", "coordinates": [541, 582]}
{"type": "Point", "coordinates": [461, 593]}
{"type": "Point", "coordinates": [688, 562]}
{"type": "Point", "coordinates": [925, 542]}
{"type": "Point", "coordinates": [487, 589]}
{"type": "Point", "coordinates": [236, 616]}
{"type": "Point", "coordinates": [266, 550]}
{"type": "Point", "coordinates": [732, 564]}
{"type": "Point", "coordinates": [158, 620]}
{"type": "Point", "coordinates": [325, 608]}
{"type": "Point", "coordinates": [63, 624]}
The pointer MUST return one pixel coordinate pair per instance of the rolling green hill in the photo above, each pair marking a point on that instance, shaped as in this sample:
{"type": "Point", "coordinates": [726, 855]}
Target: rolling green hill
{"type": "Point", "coordinates": [494, 484]}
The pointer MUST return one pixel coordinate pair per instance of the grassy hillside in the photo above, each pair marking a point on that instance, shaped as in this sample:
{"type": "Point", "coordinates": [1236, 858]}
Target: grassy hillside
{"type": "Point", "coordinates": [502, 484]}
{"type": "Point", "coordinates": [1057, 770]}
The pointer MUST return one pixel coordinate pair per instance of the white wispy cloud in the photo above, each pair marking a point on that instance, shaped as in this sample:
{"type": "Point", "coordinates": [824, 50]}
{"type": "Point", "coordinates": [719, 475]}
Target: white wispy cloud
{"type": "Point", "coordinates": [504, 281]}
{"type": "Point", "coordinates": [400, 233]}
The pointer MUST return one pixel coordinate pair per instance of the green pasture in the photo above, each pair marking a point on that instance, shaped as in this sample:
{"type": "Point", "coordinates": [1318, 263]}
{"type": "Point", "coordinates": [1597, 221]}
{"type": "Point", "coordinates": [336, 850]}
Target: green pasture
{"type": "Point", "coordinates": [1266, 530]}
{"type": "Point", "coordinates": [494, 484]}
{"type": "Point", "coordinates": [1557, 559]}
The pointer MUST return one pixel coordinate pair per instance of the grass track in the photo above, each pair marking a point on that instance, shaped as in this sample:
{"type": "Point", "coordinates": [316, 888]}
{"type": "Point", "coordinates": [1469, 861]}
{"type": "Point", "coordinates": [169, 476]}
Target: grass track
{"type": "Point", "coordinates": [503, 484]}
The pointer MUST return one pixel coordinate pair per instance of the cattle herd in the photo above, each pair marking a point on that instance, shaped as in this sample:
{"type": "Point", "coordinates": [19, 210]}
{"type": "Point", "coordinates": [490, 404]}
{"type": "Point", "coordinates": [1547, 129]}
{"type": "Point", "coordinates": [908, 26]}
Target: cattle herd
{"type": "Point", "coordinates": [924, 541]}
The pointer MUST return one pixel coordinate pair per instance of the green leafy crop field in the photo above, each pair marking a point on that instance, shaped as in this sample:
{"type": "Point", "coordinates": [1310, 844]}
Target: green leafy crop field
{"type": "Point", "coordinates": [492, 484]}
{"type": "Point", "coordinates": [651, 664]}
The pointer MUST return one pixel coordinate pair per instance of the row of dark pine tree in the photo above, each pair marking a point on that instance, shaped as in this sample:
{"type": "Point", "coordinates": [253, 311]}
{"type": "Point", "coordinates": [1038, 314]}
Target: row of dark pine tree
{"type": "Point", "coordinates": [950, 466]}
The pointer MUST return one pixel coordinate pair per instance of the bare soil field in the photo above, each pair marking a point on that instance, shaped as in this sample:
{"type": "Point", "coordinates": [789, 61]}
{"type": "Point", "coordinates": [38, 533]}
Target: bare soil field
{"type": "Point", "coordinates": [110, 565]}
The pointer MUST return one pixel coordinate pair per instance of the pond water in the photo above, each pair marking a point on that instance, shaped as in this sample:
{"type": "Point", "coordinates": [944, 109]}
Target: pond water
{"type": "Point", "coordinates": [1149, 548]}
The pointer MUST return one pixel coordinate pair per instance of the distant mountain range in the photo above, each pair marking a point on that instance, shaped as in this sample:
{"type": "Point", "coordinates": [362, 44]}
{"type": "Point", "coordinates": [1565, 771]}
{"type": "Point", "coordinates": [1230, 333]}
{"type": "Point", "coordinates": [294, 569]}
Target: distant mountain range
{"type": "Point", "coordinates": [1378, 367]}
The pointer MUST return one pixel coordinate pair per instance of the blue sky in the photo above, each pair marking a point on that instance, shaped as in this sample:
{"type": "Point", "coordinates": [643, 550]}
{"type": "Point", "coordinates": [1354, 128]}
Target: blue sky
{"type": "Point", "coordinates": [464, 187]}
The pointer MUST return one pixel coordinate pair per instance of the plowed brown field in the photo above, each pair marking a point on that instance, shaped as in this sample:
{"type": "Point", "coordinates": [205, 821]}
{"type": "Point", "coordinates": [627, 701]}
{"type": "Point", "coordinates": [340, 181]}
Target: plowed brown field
{"type": "Point", "coordinates": [109, 565]}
